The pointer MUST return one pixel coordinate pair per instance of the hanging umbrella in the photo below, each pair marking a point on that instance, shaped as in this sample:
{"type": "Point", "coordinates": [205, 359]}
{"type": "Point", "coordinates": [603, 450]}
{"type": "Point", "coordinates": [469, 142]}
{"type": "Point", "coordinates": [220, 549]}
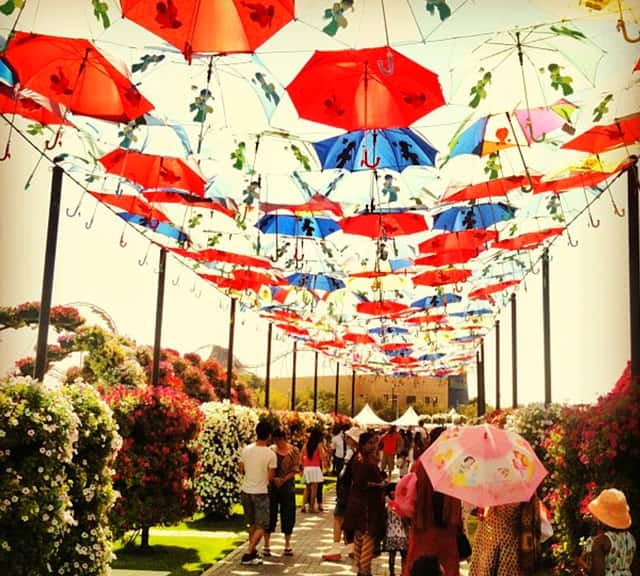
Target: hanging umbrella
{"type": "Point", "coordinates": [441, 277]}
{"type": "Point", "coordinates": [225, 26]}
{"type": "Point", "coordinates": [315, 281]}
{"type": "Point", "coordinates": [159, 227]}
{"type": "Point", "coordinates": [447, 258]}
{"type": "Point", "coordinates": [387, 330]}
{"type": "Point", "coordinates": [357, 338]}
{"type": "Point", "coordinates": [487, 135]}
{"type": "Point", "coordinates": [623, 132]}
{"type": "Point", "coordinates": [373, 281]}
{"type": "Point", "coordinates": [431, 357]}
{"type": "Point", "coordinates": [574, 180]}
{"type": "Point", "coordinates": [483, 465]}
{"type": "Point", "coordinates": [486, 292]}
{"type": "Point", "coordinates": [73, 73]}
{"type": "Point", "coordinates": [384, 224]}
{"type": "Point", "coordinates": [538, 122]}
{"type": "Point", "coordinates": [392, 148]}
{"type": "Point", "coordinates": [436, 300]}
{"type": "Point", "coordinates": [316, 205]}
{"type": "Point", "coordinates": [380, 307]}
{"type": "Point", "coordinates": [364, 89]}
{"type": "Point", "coordinates": [214, 255]}
{"type": "Point", "coordinates": [224, 205]}
{"type": "Point", "coordinates": [41, 112]}
{"type": "Point", "coordinates": [487, 189]}
{"type": "Point", "coordinates": [151, 171]}
{"type": "Point", "coordinates": [286, 225]}
{"type": "Point", "coordinates": [462, 240]}
{"type": "Point", "coordinates": [528, 240]}
{"type": "Point", "coordinates": [473, 217]}
{"type": "Point", "coordinates": [426, 319]}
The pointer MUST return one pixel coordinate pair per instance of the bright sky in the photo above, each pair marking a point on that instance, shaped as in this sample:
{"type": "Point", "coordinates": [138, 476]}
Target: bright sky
{"type": "Point", "coordinates": [589, 291]}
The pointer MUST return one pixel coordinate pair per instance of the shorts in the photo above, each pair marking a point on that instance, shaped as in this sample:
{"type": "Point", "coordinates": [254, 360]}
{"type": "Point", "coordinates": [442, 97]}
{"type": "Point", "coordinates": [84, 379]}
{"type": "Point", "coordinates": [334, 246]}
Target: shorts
{"type": "Point", "coordinates": [256, 509]}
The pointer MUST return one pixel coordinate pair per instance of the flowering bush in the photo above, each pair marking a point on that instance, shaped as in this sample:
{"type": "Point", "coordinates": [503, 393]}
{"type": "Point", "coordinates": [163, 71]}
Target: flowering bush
{"type": "Point", "coordinates": [227, 429]}
{"type": "Point", "coordinates": [86, 547]}
{"type": "Point", "coordinates": [28, 314]}
{"type": "Point", "coordinates": [37, 432]}
{"type": "Point", "coordinates": [158, 463]}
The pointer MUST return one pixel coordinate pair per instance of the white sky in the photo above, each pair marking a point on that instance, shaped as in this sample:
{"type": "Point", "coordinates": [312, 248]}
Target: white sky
{"type": "Point", "coordinates": [589, 285]}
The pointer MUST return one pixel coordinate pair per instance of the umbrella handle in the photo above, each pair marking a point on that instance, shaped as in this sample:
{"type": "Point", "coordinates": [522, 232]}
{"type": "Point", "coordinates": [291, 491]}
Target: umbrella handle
{"type": "Point", "coordinates": [7, 151]}
{"type": "Point", "coordinates": [530, 130]}
{"type": "Point", "coordinates": [365, 160]}
{"type": "Point", "coordinates": [72, 213]}
{"type": "Point", "coordinates": [57, 141]}
{"type": "Point", "coordinates": [143, 261]}
{"type": "Point", "coordinates": [622, 27]}
{"type": "Point", "coordinates": [388, 69]}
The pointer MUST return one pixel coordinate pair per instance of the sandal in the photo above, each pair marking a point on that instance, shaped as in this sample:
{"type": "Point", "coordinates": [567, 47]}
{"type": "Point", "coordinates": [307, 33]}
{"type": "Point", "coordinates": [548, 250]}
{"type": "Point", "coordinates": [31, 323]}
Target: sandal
{"type": "Point", "coordinates": [288, 552]}
{"type": "Point", "coordinates": [266, 551]}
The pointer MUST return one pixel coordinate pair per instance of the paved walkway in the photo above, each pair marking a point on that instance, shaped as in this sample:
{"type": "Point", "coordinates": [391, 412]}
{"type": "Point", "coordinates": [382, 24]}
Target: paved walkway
{"type": "Point", "coordinates": [311, 538]}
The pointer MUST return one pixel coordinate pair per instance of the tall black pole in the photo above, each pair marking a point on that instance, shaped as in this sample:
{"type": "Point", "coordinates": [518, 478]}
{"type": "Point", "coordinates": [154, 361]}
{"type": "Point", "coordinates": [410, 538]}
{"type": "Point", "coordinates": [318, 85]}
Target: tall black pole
{"type": "Point", "coordinates": [315, 383]}
{"type": "Point", "coordinates": [514, 352]}
{"type": "Point", "coordinates": [49, 268]}
{"type": "Point", "coordinates": [335, 399]}
{"type": "Point", "coordinates": [634, 268]}
{"type": "Point", "coordinates": [232, 326]}
{"type": "Point", "coordinates": [155, 371]}
{"type": "Point", "coordinates": [353, 393]}
{"type": "Point", "coordinates": [546, 319]}
{"type": "Point", "coordinates": [482, 407]}
{"type": "Point", "coordinates": [497, 364]}
{"type": "Point", "coordinates": [267, 381]}
{"type": "Point", "coordinates": [293, 375]}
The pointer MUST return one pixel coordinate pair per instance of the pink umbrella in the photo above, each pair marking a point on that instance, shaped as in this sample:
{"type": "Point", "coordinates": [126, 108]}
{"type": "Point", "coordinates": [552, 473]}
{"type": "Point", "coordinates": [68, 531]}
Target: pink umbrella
{"type": "Point", "coordinates": [483, 465]}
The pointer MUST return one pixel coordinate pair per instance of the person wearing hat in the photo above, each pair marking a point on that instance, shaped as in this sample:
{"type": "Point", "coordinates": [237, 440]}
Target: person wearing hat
{"type": "Point", "coordinates": [352, 436]}
{"type": "Point", "coordinates": [611, 552]}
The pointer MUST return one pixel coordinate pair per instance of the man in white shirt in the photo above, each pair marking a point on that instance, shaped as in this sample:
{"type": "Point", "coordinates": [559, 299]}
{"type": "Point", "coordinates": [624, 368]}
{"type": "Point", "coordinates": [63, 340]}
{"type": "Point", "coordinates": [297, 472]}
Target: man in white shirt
{"type": "Point", "coordinates": [258, 464]}
{"type": "Point", "coordinates": [337, 449]}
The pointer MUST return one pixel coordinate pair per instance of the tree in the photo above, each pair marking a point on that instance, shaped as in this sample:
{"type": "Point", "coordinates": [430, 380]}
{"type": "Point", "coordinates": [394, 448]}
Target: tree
{"type": "Point", "coordinates": [158, 462]}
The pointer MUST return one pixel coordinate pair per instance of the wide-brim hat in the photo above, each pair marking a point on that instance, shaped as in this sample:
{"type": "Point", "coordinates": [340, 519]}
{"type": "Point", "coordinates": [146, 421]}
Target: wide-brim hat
{"type": "Point", "coordinates": [354, 433]}
{"type": "Point", "coordinates": [611, 508]}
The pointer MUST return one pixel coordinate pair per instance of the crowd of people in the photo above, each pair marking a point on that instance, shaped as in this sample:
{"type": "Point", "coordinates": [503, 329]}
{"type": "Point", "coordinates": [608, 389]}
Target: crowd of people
{"type": "Point", "coordinates": [385, 502]}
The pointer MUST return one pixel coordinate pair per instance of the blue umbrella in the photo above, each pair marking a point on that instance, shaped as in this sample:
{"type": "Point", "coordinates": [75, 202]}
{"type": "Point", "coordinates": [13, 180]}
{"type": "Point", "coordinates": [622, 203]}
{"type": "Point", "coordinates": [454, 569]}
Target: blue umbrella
{"type": "Point", "coordinates": [399, 352]}
{"type": "Point", "coordinates": [477, 312]}
{"type": "Point", "coordinates": [431, 357]}
{"type": "Point", "coordinates": [392, 148]}
{"type": "Point", "coordinates": [472, 217]}
{"type": "Point", "coordinates": [436, 300]}
{"type": "Point", "coordinates": [159, 227]}
{"type": "Point", "coordinates": [315, 281]}
{"type": "Point", "coordinates": [288, 225]}
{"type": "Point", "coordinates": [380, 330]}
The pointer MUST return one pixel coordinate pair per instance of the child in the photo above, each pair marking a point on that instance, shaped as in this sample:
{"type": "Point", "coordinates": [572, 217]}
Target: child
{"type": "Point", "coordinates": [396, 539]}
{"type": "Point", "coordinates": [403, 463]}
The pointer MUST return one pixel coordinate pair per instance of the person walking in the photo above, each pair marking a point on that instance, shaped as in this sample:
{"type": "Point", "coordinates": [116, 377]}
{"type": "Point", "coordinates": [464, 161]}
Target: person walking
{"type": "Point", "coordinates": [365, 514]}
{"type": "Point", "coordinates": [389, 442]}
{"type": "Point", "coordinates": [282, 492]}
{"type": "Point", "coordinates": [338, 448]}
{"type": "Point", "coordinates": [313, 462]}
{"type": "Point", "coordinates": [258, 464]}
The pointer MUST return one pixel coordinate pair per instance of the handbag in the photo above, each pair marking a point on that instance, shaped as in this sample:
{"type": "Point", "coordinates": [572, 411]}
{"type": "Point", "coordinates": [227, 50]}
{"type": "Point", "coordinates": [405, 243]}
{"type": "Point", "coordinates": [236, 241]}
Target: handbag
{"type": "Point", "coordinates": [464, 546]}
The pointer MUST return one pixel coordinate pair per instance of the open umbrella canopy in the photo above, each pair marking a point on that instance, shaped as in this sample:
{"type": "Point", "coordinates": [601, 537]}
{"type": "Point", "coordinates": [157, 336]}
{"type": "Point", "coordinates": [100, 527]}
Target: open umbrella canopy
{"type": "Point", "coordinates": [364, 89]}
{"type": "Point", "coordinates": [473, 217]}
{"type": "Point", "coordinates": [73, 73]}
{"type": "Point", "coordinates": [307, 227]}
{"type": "Point", "coordinates": [315, 281]}
{"type": "Point", "coordinates": [622, 132]}
{"type": "Point", "coordinates": [41, 112]}
{"type": "Point", "coordinates": [384, 224]}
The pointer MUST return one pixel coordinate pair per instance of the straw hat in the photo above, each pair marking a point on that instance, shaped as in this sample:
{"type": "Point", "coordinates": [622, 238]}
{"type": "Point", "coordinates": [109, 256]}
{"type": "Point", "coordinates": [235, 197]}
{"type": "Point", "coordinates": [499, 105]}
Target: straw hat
{"type": "Point", "coordinates": [611, 508]}
{"type": "Point", "coordinates": [354, 433]}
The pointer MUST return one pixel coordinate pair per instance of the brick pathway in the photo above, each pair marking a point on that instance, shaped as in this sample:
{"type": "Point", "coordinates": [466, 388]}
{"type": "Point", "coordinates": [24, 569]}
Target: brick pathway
{"type": "Point", "coordinates": [312, 536]}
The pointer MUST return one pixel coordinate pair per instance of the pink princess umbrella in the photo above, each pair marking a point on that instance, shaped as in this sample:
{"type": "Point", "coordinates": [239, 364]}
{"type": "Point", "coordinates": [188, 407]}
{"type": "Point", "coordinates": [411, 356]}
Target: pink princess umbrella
{"type": "Point", "coordinates": [483, 465]}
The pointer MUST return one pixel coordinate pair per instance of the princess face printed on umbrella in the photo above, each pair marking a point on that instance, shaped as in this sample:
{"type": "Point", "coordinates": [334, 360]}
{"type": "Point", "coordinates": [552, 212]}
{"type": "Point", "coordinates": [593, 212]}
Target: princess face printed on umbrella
{"type": "Point", "coordinates": [443, 457]}
{"type": "Point", "coordinates": [523, 464]}
{"type": "Point", "coordinates": [467, 473]}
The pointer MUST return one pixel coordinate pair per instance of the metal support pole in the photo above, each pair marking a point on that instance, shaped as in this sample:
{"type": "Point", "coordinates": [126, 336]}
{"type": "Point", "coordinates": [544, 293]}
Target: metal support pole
{"type": "Point", "coordinates": [232, 325]}
{"type": "Point", "coordinates": [293, 375]}
{"type": "Point", "coordinates": [482, 407]}
{"type": "Point", "coordinates": [155, 371]}
{"type": "Point", "coordinates": [335, 400]}
{"type": "Point", "coordinates": [353, 393]}
{"type": "Point", "coordinates": [546, 319]}
{"type": "Point", "coordinates": [514, 352]}
{"type": "Point", "coordinates": [267, 381]}
{"type": "Point", "coordinates": [634, 268]}
{"type": "Point", "coordinates": [315, 383]}
{"type": "Point", "coordinates": [497, 364]}
{"type": "Point", "coordinates": [49, 268]}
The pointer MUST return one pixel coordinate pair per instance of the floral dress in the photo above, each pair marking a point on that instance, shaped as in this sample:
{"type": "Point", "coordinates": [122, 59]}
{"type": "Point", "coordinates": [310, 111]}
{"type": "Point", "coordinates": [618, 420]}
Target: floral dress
{"type": "Point", "coordinates": [396, 536]}
{"type": "Point", "coordinates": [618, 560]}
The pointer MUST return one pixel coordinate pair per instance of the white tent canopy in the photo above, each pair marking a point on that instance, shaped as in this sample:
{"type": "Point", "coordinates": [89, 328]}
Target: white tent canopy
{"type": "Point", "coordinates": [409, 418]}
{"type": "Point", "coordinates": [367, 417]}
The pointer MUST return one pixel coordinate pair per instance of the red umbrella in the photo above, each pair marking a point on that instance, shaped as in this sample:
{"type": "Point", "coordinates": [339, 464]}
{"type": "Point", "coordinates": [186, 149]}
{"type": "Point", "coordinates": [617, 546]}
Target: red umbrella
{"type": "Point", "coordinates": [214, 255]}
{"type": "Point", "coordinates": [30, 109]}
{"type": "Point", "coordinates": [210, 25]}
{"type": "Point", "coordinates": [463, 240]}
{"type": "Point", "coordinates": [384, 224]}
{"type": "Point", "coordinates": [497, 187]}
{"type": "Point", "coordinates": [425, 319]}
{"type": "Point", "coordinates": [485, 294]}
{"type": "Point", "coordinates": [71, 72]}
{"type": "Point", "coordinates": [447, 258]}
{"type": "Point", "coordinates": [404, 360]}
{"type": "Point", "coordinates": [131, 204]}
{"type": "Point", "coordinates": [282, 315]}
{"type": "Point", "coordinates": [528, 240]}
{"type": "Point", "coordinates": [293, 329]}
{"type": "Point", "coordinates": [391, 346]}
{"type": "Point", "coordinates": [380, 307]}
{"type": "Point", "coordinates": [364, 89]}
{"type": "Point", "coordinates": [622, 132]}
{"type": "Point", "coordinates": [442, 277]}
{"type": "Point", "coordinates": [358, 338]}
{"type": "Point", "coordinates": [575, 180]}
{"type": "Point", "coordinates": [317, 203]}
{"type": "Point", "coordinates": [151, 171]}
